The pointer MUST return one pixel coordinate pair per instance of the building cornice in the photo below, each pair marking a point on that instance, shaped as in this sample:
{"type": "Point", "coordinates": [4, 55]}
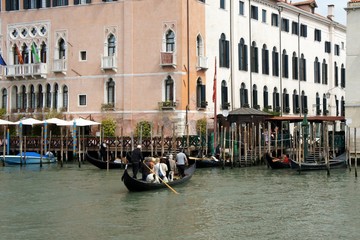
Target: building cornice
{"type": "Point", "coordinates": [313, 16]}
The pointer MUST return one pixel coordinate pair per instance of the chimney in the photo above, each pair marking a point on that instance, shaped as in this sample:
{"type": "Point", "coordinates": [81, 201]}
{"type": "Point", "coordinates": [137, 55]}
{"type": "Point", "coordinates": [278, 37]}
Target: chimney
{"type": "Point", "coordinates": [330, 12]}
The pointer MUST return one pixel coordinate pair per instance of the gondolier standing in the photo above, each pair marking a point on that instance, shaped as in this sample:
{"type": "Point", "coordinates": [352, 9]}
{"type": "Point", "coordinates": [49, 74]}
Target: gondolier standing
{"type": "Point", "coordinates": [136, 158]}
{"type": "Point", "coordinates": [181, 161]}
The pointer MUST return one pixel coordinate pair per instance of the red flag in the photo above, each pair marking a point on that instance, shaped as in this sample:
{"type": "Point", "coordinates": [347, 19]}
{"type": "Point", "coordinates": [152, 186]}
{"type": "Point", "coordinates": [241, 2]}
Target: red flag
{"type": "Point", "coordinates": [21, 60]}
{"type": "Point", "coordinates": [214, 88]}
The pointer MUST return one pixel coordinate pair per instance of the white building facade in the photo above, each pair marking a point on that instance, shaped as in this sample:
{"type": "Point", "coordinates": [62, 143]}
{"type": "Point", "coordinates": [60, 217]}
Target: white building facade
{"type": "Point", "coordinates": [276, 56]}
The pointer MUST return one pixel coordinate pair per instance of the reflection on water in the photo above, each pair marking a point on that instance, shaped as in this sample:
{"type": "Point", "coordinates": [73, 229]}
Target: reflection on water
{"type": "Point", "coordinates": [239, 203]}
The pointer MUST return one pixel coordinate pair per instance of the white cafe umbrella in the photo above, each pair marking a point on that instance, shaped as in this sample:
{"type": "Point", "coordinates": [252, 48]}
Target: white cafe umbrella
{"type": "Point", "coordinates": [4, 122]}
{"type": "Point", "coordinates": [29, 121]}
{"type": "Point", "coordinates": [80, 122]}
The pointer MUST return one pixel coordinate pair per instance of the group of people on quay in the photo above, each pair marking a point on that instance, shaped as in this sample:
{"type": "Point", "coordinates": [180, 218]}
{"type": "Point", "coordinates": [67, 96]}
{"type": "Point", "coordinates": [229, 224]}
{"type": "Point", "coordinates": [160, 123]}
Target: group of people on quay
{"type": "Point", "coordinates": [156, 169]}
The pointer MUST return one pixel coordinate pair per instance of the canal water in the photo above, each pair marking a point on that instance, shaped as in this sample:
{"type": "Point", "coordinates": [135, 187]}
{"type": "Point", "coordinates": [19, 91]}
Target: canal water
{"type": "Point", "coordinates": [240, 203]}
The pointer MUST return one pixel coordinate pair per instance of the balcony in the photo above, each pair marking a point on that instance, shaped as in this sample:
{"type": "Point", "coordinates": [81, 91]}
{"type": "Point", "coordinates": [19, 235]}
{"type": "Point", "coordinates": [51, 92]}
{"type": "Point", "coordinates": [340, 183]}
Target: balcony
{"type": "Point", "coordinates": [167, 105]}
{"type": "Point", "coordinates": [202, 63]}
{"type": "Point", "coordinates": [108, 63]}
{"type": "Point", "coordinates": [168, 59]}
{"type": "Point", "coordinates": [59, 66]}
{"type": "Point", "coordinates": [32, 70]}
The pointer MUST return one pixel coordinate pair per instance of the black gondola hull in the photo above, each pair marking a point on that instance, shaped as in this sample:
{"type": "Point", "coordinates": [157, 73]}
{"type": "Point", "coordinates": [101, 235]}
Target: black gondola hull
{"type": "Point", "coordinates": [91, 158]}
{"type": "Point", "coordinates": [136, 185]}
{"type": "Point", "coordinates": [276, 164]}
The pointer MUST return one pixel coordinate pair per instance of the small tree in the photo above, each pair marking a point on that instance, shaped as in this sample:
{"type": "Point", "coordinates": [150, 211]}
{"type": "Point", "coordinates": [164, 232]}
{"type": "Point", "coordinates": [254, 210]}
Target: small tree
{"type": "Point", "coordinates": [201, 126]}
{"type": "Point", "coordinates": [145, 126]}
{"type": "Point", "coordinates": [2, 112]}
{"type": "Point", "coordinates": [109, 127]}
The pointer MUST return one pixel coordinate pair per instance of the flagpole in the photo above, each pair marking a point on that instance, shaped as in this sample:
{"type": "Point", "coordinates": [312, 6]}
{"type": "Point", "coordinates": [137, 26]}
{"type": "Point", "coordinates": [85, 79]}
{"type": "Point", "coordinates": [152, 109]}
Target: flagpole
{"type": "Point", "coordinates": [215, 109]}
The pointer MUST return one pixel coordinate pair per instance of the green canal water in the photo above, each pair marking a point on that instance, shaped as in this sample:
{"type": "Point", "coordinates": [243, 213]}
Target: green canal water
{"type": "Point", "coordinates": [240, 203]}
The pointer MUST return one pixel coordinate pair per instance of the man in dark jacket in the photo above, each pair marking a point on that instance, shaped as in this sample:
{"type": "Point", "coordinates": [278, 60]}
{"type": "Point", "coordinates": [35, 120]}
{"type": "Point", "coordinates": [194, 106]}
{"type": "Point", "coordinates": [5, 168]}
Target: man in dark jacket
{"type": "Point", "coordinates": [136, 158]}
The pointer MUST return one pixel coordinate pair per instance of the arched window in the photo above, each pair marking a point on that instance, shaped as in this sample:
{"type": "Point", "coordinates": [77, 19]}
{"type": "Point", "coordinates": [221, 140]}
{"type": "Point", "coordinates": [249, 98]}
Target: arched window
{"type": "Point", "coordinates": [170, 41]}
{"type": "Point", "coordinates": [55, 96]}
{"type": "Point", "coordinates": [48, 96]}
{"type": "Point", "coordinates": [32, 97]}
{"type": "Point", "coordinates": [304, 105]}
{"type": "Point", "coordinates": [169, 89]}
{"type": "Point", "coordinates": [224, 51]}
{"type": "Point", "coordinates": [285, 64]}
{"type": "Point", "coordinates": [324, 72]}
{"type": "Point", "coordinates": [65, 97]}
{"type": "Point", "coordinates": [62, 49]}
{"type": "Point", "coordinates": [40, 97]}
{"type": "Point", "coordinates": [243, 62]}
{"type": "Point", "coordinates": [23, 97]}
{"type": "Point", "coordinates": [254, 58]}
{"type": "Point", "coordinates": [110, 85]}
{"type": "Point", "coordinates": [43, 52]}
{"type": "Point", "coordinates": [265, 60]}
{"type": "Point", "coordinates": [275, 62]}
{"type": "Point", "coordinates": [336, 74]}
{"type": "Point", "coordinates": [243, 96]}
{"type": "Point", "coordinates": [255, 97]}
{"type": "Point", "coordinates": [286, 101]}
{"type": "Point", "coordinates": [318, 104]}
{"type": "Point", "coordinates": [16, 94]}
{"type": "Point", "coordinates": [25, 54]}
{"type": "Point", "coordinates": [337, 105]}
{"type": "Point", "coordinates": [316, 70]}
{"type": "Point", "coordinates": [325, 111]}
{"type": "Point", "coordinates": [4, 98]}
{"type": "Point", "coordinates": [302, 68]}
{"type": "Point", "coordinates": [224, 95]}
{"type": "Point", "coordinates": [296, 106]}
{"type": "Point", "coordinates": [276, 100]}
{"type": "Point", "coordinates": [266, 97]}
{"type": "Point", "coordinates": [342, 76]}
{"type": "Point", "coordinates": [199, 46]}
{"type": "Point", "coordinates": [342, 106]}
{"type": "Point", "coordinates": [111, 45]}
{"type": "Point", "coordinates": [200, 94]}
{"type": "Point", "coordinates": [295, 68]}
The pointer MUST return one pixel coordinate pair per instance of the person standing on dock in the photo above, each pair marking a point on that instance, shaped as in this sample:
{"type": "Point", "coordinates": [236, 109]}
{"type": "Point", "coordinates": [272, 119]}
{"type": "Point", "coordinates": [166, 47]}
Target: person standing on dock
{"type": "Point", "coordinates": [136, 158]}
{"type": "Point", "coordinates": [181, 161]}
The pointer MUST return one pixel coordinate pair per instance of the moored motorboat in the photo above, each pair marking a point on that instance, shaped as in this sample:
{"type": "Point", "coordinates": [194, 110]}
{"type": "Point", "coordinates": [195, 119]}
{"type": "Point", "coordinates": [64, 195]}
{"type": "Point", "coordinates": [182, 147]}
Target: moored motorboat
{"type": "Point", "coordinates": [137, 185]}
{"type": "Point", "coordinates": [28, 158]}
{"type": "Point", "coordinates": [205, 162]}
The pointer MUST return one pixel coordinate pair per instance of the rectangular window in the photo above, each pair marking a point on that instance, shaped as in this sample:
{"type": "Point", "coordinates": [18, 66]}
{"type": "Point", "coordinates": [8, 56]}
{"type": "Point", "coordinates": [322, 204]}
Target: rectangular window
{"type": "Point", "coordinates": [327, 47]}
{"type": "Point", "coordinates": [274, 20]}
{"type": "Point", "coordinates": [285, 25]}
{"type": "Point", "coordinates": [57, 3]}
{"type": "Point", "coordinates": [303, 30]}
{"type": "Point", "coordinates": [12, 5]}
{"type": "Point", "coordinates": [337, 50]}
{"type": "Point", "coordinates": [254, 12]}
{"type": "Point", "coordinates": [83, 56]}
{"type": "Point", "coordinates": [295, 28]}
{"type": "Point", "coordinates": [241, 8]}
{"type": "Point", "coordinates": [264, 16]}
{"type": "Point", "coordinates": [222, 4]}
{"type": "Point", "coordinates": [82, 100]}
{"type": "Point", "coordinates": [80, 2]}
{"type": "Point", "coordinates": [317, 36]}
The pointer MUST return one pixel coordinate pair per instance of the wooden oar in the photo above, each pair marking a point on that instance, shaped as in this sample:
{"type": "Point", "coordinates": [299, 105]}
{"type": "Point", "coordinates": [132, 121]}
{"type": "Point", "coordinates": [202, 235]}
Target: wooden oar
{"type": "Point", "coordinates": [161, 179]}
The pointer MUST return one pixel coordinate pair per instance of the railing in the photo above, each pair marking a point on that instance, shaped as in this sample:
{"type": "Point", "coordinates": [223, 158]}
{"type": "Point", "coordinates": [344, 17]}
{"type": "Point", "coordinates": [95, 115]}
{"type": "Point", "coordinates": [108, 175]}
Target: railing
{"type": "Point", "coordinates": [26, 70]}
{"type": "Point", "coordinates": [108, 63]}
{"type": "Point", "coordinates": [60, 65]}
{"type": "Point", "coordinates": [168, 59]}
{"type": "Point", "coordinates": [202, 63]}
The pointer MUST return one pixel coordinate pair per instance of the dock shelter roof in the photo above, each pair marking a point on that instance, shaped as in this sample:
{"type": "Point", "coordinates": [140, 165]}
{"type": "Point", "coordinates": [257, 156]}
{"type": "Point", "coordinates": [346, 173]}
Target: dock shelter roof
{"type": "Point", "coordinates": [247, 115]}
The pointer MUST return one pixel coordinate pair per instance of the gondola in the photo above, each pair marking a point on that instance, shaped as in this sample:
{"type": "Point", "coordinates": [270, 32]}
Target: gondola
{"type": "Point", "coordinates": [137, 185]}
{"type": "Point", "coordinates": [93, 159]}
{"type": "Point", "coordinates": [275, 164]}
{"type": "Point", "coordinates": [205, 162]}
{"type": "Point", "coordinates": [338, 162]}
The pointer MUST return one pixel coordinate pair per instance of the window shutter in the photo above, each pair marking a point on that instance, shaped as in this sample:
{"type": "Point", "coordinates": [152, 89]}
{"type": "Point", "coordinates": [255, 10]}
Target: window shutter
{"type": "Point", "coordinates": [8, 4]}
{"type": "Point", "coordinates": [255, 102]}
{"type": "Point", "coordinates": [240, 56]}
{"type": "Point", "coordinates": [227, 54]}
{"type": "Point", "coordinates": [54, 3]}
{"type": "Point", "coordinates": [26, 4]}
{"type": "Point", "coordinates": [203, 93]}
{"type": "Point", "coordinates": [245, 58]}
{"type": "Point", "coordinates": [246, 96]}
{"type": "Point", "coordinates": [256, 60]}
{"type": "Point", "coordinates": [76, 2]}
{"type": "Point", "coordinates": [221, 54]}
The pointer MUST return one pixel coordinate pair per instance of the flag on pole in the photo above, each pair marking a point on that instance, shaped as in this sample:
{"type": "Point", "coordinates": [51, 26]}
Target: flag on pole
{"type": "Point", "coordinates": [21, 60]}
{"type": "Point", "coordinates": [2, 61]}
{"type": "Point", "coordinates": [34, 52]}
{"type": "Point", "coordinates": [214, 87]}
